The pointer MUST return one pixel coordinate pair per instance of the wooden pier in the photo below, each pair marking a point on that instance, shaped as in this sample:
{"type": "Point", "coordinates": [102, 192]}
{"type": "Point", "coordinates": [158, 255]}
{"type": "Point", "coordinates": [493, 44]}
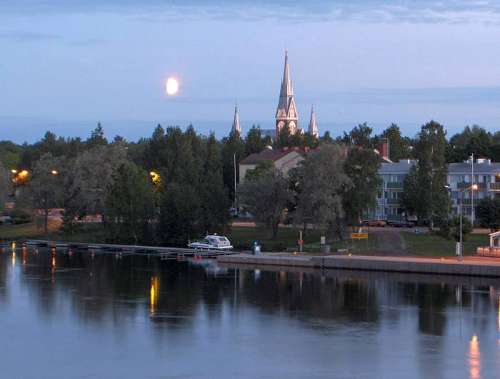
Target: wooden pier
{"type": "Point", "coordinates": [164, 252]}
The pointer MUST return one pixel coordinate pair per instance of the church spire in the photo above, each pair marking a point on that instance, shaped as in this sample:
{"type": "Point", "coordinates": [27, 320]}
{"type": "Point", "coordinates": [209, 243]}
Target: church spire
{"type": "Point", "coordinates": [286, 113]}
{"type": "Point", "coordinates": [236, 121]}
{"type": "Point", "coordinates": [313, 126]}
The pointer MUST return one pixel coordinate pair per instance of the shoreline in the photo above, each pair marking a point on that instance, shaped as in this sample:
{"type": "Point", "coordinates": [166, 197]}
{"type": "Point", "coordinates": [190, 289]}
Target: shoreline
{"type": "Point", "coordinates": [469, 266]}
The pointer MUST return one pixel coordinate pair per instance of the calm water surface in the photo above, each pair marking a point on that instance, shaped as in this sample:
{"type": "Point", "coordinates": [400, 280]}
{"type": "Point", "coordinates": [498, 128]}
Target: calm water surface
{"type": "Point", "coordinates": [82, 315]}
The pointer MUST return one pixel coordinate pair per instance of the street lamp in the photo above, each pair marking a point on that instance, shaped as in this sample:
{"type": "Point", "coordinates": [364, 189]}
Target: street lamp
{"type": "Point", "coordinates": [471, 188]}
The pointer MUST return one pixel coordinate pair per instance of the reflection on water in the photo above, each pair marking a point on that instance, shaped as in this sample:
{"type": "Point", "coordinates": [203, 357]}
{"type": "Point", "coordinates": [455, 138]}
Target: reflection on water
{"type": "Point", "coordinates": [118, 315]}
{"type": "Point", "coordinates": [474, 358]}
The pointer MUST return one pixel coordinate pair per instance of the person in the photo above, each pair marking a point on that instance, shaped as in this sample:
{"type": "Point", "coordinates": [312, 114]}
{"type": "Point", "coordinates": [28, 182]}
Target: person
{"type": "Point", "coordinates": [256, 247]}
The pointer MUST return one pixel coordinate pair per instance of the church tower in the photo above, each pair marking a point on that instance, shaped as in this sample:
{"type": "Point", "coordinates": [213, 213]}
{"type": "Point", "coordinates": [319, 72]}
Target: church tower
{"type": "Point", "coordinates": [286, 114]}
{"type": "Point", "coordinates": [313, 126]}
{"type": "Point", "coordinates": [236, 121]}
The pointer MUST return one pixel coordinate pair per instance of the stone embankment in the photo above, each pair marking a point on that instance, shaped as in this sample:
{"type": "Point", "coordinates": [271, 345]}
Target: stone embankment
{"type": "Point", "coordinates": [470, 266]}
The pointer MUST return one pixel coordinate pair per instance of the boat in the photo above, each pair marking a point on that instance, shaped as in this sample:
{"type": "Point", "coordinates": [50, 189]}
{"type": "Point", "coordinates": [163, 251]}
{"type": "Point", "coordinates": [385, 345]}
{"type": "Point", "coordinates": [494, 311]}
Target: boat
{"type": "Point", "coordinates": [212, 242]}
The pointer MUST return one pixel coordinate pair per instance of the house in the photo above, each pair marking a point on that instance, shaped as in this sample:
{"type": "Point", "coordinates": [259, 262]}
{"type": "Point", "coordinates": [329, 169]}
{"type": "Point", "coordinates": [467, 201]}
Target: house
{"type": "Point", "coordinates": [283, 159]}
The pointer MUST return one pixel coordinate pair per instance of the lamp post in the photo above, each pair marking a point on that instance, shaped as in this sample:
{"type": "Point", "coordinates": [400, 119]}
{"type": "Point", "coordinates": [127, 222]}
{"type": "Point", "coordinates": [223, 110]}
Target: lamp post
{"type": "Point", "coordinates": [46, 205]}
{"type": "Point", "coordinates": [471, 188]}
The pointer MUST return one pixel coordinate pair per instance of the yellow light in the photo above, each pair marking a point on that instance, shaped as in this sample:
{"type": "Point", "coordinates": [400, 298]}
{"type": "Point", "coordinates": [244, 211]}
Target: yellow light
{"type": "Point", "coordinates": [54, 172]}
{"type": "Point", "coordinates": [13, 171]}
{"type": "Point", "coordinates": [23, 174]}
{"type": "Point", "coordinates": [153, 294]}
{"type": "Point", "coordinates": [155, 177]}
{"type": "Point", "coordinates": [172, 86]}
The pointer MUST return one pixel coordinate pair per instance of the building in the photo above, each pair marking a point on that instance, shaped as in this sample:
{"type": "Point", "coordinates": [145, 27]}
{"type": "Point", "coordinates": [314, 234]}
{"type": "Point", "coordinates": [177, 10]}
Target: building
{"type": "Point", "coordinates": [283, 160]}
{"type": "Point", "coordinates": [313, 126]}
{"type": "Point", "coordinates": [486, 176]}
{"type": "Point", "coordinates": [286, 112]}
{"type": "Point", "coordinates": [236, 128]}
{"type": "Point", "coordinates": [392, 175]}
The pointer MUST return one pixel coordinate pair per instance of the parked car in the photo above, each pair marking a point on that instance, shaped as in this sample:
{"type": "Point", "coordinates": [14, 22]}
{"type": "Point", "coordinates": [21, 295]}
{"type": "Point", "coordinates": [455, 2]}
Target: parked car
{"type": "Point", "coordinates": [374, 222]}
{"type": "Point", "coordinates": [212, 242]}
{"type": "Point", "coordinates": [401, 224]}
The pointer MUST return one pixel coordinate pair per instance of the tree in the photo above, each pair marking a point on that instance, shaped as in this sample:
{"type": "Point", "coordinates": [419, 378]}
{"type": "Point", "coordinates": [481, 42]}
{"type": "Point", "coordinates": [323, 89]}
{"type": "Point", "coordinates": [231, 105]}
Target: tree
{"type": "Point", "coordinates": [266, 196]}
{"type": "Point", "coordinates": [399, 146]}
{"type": "Point", "coordinates": [411, 193]}
{"type": "Point", "coordinates": [433, 201]}
{"type": "Point", "coordinates": [214, 200]}
{"type": "Point", "coordinates": [284, 138]}
{"type": "Point", "coordinates": [233, 151]}
{"type": "Point", "coordinates": [254, 143]}
{"type": "Point", "coordinates": [129, 205]}
{"type": "Point", "coordinates": [44, 187]}
{"type": "Point", "coordinates": [87, 180]}
{"type": "Point", "coordinates": [320, 182]}
{"type": "Point", "coordinates": [359, 136]}
{"type": "Point", "coordinates": [97, 137]}
{"type": "Point", "coordinates": [488, 212]}
{"type": "Point", "coordinates": [361, 166]}
{"type": "Point", "coordinates": [472, 140]}
{"type": "Point", "coordinates": [4, 185]}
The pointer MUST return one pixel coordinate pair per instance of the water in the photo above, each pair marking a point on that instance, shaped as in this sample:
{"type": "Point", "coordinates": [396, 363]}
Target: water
{"type": "Point", "coordinates": [78, 315]}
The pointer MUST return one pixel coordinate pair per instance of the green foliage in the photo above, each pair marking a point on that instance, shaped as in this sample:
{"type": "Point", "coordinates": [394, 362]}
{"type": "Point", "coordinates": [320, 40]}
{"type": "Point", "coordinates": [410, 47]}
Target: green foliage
{"type": "Point", "coordinates": [432, 199]}
{"type": "Point", "coordinates": [260, 169]}
{"type": "Point", "coordinates": [411, 192]}
{"type": "Point", "coordinates": [10, 154]}
{"type": "Point", "coordinates": [450, 228]}
{"type": "Point", "coordinates": [130, 206]}
{"type": "Point", "coordinates": [488, 212]}
{"type": "Point", "coordinates": [5, 187]}
{"type": "Point", "coordinates": [233, 148]}
{"type": "Point", "coordinates": [254, 143]}
{"type": "Point", "coordinates": [361, 167]}
{"type": "Point", "coordinates": [320, 183]}
{"type": "Point", "coordinates": [359, 136]}
{"type": "Point", "coordinates": [399, 146]}
{"type": "Point", "coordinates": [473, 140]}
{"type": "Point", "coordinates": [266, 197]}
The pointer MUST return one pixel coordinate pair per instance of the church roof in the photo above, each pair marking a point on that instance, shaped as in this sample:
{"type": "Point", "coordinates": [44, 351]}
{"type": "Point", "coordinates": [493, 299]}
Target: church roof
{"type": "Point", "coordinates": [286, 100]}
{"type": "Point", "coordinates": [236, 121]}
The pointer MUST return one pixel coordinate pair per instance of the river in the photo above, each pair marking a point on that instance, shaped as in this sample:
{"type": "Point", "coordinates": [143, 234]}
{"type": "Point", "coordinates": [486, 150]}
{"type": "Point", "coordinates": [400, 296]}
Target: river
{"type": "Point", "coordinates": [81, 315]}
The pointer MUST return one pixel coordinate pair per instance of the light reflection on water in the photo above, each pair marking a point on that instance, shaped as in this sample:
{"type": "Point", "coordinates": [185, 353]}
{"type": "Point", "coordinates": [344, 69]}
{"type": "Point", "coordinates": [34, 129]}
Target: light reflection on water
{"type": "Point", "coordinates": [99, 315]}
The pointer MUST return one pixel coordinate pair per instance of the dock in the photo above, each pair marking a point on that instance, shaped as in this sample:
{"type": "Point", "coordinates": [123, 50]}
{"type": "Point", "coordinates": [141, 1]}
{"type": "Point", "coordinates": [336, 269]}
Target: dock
{"type": "Point", "coordinates": [164, 252]}
{"type": "Point", "coordinates": [469, 266]}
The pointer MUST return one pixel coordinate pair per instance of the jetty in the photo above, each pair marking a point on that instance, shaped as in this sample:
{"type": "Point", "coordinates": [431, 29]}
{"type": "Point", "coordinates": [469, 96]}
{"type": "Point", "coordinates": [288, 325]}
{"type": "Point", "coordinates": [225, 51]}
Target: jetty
{"type": "Point", "coordinates": [468, 266]}
{"type": "Point", "coordinates": [165, 252]}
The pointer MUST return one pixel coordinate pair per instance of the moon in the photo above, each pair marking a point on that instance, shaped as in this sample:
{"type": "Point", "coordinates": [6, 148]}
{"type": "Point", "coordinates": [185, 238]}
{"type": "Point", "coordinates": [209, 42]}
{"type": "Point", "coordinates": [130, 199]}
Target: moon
{"type": "Point", "coordinates": [172, 86]}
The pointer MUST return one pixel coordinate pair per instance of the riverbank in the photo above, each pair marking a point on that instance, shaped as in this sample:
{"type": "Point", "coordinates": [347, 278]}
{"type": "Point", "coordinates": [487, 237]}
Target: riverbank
{"type": "Point", "coordinates": [469, 266]}
{"type": "Point", "coordinates": [381, 241]}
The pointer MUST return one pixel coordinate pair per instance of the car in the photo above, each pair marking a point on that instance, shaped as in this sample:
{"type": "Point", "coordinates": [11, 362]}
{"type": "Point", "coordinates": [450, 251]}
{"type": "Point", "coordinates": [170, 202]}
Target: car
{"type": "Point", "coordinates": [212, 242]}
{"type": "Point", "coordinates": [401, 224]}
{"type": "Point", "coordinates": [374, 222]}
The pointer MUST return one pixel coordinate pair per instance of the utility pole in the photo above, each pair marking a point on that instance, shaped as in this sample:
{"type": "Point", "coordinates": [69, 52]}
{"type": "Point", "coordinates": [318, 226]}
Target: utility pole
{"type": "Point", "coordinates": [473, 213]}
{"type": "Point", "coordinates": [234, 164]}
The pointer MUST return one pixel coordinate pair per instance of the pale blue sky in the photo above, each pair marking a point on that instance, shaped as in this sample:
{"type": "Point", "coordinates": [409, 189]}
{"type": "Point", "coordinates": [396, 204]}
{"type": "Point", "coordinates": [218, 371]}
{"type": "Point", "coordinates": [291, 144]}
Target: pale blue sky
{"type": "Point", "coordinates": [67, 64]}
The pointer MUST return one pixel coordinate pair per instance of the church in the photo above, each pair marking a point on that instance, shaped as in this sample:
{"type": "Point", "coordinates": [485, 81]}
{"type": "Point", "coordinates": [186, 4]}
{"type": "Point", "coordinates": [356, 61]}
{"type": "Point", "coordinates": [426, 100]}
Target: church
{"type": "Point", "coordinates": [286, 112]}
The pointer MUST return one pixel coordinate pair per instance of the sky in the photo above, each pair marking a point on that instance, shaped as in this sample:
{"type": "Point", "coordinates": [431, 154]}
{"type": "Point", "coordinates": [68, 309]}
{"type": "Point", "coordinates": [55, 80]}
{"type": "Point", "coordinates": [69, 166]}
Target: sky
{"type": "Point", "coordinates": [67, 64]}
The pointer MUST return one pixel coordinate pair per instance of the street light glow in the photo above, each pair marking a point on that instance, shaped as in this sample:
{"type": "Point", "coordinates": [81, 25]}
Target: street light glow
{"type": "Point", "coordinates": [54, 172]}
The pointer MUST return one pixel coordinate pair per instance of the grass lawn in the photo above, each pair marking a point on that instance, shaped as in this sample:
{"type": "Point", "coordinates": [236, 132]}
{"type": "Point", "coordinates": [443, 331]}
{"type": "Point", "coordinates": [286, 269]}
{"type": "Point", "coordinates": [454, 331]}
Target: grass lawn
{"type": "Point", "coordinates": [10, 232]}
{"type": "Point", "coordinates": [287, 240]}
{"type": "Point", "coordinates": [433, 245]}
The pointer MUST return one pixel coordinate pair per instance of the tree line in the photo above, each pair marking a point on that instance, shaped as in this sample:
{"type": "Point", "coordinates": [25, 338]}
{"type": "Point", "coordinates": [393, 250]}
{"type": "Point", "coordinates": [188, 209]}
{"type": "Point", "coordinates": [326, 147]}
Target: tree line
{"type": "Point", "coordinates": [192, 188]}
